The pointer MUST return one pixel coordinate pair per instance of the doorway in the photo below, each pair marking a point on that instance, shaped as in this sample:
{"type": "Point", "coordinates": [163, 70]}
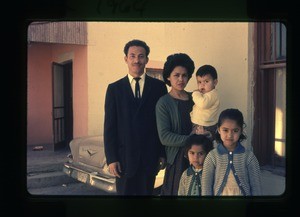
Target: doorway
{"type": "Point", "coordinates": [62, 104]}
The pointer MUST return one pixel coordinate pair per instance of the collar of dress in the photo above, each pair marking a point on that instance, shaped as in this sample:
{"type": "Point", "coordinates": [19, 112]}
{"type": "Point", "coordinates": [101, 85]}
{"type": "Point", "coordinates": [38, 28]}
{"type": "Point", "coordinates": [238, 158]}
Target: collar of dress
{"type": "Point", "coordinates": [190, 171]}
{"type": "Point", "coordinates": [239, 149]}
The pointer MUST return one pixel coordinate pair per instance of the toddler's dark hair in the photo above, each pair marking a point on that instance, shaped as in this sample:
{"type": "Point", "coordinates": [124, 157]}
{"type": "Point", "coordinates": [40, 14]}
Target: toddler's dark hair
{"type": "Point", "coordinates": [207, 70]}
{"type": "Point", "coordinates": [201, 140]}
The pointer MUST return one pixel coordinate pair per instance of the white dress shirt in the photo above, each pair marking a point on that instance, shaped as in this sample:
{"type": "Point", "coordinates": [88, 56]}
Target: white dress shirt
{"type": "Point", "coordinates": [141, 83]}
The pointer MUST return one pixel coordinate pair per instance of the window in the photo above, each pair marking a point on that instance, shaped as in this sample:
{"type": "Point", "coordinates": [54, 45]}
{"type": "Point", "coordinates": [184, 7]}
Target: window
{"type": "Point", "coordinates": [269, 140]}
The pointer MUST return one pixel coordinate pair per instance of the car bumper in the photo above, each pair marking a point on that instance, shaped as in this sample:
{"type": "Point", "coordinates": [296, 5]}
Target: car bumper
{"type": "Point", "coordinates": [95, 179]}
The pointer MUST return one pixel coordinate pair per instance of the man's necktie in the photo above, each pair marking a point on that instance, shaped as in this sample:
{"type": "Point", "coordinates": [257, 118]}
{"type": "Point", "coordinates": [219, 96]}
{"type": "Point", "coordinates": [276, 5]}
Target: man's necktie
{"type": "Point", "coordinates": [137, 88]}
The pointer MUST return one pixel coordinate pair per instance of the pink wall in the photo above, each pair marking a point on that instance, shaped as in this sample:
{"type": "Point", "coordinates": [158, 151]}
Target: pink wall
{"type": "Point", "coordinates": [39, 107]}
{"type": "Point", "coordinates": [80, 88]}
{"type": "Point", "coordinates": [80, 92]}
{"type": "Point", "coordinates": [39, 94]}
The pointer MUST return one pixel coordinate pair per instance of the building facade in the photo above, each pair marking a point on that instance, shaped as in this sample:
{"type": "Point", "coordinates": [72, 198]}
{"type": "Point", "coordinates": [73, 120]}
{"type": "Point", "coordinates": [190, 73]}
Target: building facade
{"type": "Point", "coordinates": [70, 65]}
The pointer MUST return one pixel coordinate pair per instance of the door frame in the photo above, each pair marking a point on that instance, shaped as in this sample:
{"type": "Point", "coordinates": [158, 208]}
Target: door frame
{"type": "Point", "coordinates": [63, 125]}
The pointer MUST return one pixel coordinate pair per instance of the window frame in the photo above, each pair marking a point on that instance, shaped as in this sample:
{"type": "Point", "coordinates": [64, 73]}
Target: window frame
{"type": "Point", "coordinates": [264, 93]}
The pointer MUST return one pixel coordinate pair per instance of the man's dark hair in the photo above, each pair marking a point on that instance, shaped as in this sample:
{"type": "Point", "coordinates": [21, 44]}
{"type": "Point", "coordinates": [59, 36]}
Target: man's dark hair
{"type": "Point", "coordinates": [138, 43]}
{"type": "Point", "coordinates": [207, 70]}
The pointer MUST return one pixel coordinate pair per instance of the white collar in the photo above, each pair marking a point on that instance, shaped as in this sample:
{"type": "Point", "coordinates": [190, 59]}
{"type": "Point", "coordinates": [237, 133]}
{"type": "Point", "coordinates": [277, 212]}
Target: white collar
{"type": "Point", "coordinates": [130, 77]}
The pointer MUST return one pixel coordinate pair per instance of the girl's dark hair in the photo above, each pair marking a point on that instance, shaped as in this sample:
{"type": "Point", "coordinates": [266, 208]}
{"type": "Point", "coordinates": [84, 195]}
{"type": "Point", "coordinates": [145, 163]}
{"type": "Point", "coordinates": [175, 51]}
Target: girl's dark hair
{"type": "Point", "coordinates": [178, 59]}
{"type": "Point", "coordinates": [207, 70]}
{"type": "Point", "coordinates": [195, 139]}
{"type": "Point", "coordinates": [232, 114]}
{"type": "Point", "coordinates": [136, 42]}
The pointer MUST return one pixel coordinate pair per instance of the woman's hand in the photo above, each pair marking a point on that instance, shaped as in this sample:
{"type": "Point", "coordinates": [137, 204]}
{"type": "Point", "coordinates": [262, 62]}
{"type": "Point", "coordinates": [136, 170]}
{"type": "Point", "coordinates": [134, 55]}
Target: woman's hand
{"type": "Point", "coordinates": [200, 130]}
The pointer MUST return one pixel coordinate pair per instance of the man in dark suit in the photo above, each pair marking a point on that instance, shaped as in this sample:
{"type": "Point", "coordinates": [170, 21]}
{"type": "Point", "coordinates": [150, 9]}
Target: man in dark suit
{"type": "Point", "coordinates": [132, 147]}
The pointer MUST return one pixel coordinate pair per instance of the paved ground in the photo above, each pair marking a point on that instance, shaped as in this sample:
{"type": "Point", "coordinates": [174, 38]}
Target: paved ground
{"type": "Point", "coordinates": [44, 170]}
{"type": "Point", "coordinates": [272, 184]}
{"type": "Point", "coordinates": [70, 189]}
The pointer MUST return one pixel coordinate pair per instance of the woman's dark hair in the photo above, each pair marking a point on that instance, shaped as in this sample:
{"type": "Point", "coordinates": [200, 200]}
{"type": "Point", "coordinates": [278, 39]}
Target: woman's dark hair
{"type": "Point", "coordinates": [178, 59]}
{"type": "Point", "coordinates": [195, 139]}
{"type": "Point", "coordinates": [232, 114]}
{"type": "Point", "coordinates": [136, 42]}
{"type": "Point", "coordinates": [207, 70]}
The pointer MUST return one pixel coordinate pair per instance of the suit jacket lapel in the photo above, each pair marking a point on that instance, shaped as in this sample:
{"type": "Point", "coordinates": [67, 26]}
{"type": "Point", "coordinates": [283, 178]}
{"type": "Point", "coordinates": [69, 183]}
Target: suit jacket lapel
{"type": "Point", "coordinates": [127, 88]}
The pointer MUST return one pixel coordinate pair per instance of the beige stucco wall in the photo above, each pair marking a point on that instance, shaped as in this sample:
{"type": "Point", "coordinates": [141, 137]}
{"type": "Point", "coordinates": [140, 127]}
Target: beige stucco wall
{"type": "Point", "coordinates": [223, 45]}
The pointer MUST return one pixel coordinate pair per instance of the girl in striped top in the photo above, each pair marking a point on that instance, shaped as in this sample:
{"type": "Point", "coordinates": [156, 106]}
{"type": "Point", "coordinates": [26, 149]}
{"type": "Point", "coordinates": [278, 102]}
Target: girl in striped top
{"type": "Point", "coordinates": [230, 169]}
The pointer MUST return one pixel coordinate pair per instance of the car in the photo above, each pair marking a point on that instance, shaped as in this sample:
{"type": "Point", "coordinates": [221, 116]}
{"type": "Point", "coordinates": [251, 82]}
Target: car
{"type": "Point", "coordinates": [87, 163]}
